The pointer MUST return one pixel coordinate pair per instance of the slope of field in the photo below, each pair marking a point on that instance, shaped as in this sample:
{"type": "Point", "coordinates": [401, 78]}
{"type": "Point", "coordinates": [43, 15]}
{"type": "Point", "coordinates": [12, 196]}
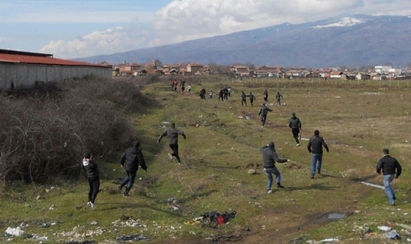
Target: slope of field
{"type": "Point", "coordinates": [223, 140]}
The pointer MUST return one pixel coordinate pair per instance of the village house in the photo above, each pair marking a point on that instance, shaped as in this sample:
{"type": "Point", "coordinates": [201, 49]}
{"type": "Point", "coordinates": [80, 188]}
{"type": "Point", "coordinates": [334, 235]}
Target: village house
{"type": "Point", "coordinates": [193, 69]}
{"type": "Point", "coordinates": [240, 70]}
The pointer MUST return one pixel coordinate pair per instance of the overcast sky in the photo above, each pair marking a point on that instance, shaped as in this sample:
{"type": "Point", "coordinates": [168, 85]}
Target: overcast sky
{"type": "Point", "coordinates": [83, 28]}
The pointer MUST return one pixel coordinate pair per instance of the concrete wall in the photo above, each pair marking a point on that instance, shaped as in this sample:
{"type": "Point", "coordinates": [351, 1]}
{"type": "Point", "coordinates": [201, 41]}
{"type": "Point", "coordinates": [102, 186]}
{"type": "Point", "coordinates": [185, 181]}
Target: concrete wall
{"type": "Point", "coordinates": [26, 75]}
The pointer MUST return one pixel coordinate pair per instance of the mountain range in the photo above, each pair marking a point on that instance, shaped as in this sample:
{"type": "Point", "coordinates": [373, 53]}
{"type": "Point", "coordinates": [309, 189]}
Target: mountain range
{"type": "Point", "coordinates": [354, 41]}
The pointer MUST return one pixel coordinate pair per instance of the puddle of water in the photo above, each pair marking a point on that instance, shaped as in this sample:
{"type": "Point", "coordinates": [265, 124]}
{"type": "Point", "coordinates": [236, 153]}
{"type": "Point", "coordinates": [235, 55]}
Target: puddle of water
{"type": "Point", "coordinates": [335, 216]}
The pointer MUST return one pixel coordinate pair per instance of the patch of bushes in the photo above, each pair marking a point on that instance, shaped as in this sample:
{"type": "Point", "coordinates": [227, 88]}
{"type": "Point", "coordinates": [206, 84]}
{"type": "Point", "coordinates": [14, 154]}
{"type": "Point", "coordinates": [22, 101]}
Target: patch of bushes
{"type": "Point", "coordinates": [44, 135]}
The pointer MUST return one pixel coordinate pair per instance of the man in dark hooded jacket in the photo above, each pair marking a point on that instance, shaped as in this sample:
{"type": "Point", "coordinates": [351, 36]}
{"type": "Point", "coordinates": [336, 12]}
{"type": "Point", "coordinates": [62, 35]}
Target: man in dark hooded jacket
{"type": "Point", "coordinates": [172, 135]}
{"type": "Point", "coordinates": [93, 175]}
{"type": "Point", "coordinates": [263, 113]}
{"type": "Point", "coordinates": [295, 125]}
{"type": "Point", "coordinates": [130, 160]}
{"type": "Point", "coordinates": [270, 157]}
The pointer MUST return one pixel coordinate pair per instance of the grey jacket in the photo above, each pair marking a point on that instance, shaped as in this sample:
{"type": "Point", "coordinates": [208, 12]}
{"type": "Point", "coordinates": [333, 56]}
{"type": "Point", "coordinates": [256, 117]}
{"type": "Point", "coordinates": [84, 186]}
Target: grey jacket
{"type": "Point", "coordinates": [172, 135]}
{"type": "Point", "coordinates": [264, 111]}
{"type": "Point", "coordinates": [270, 156]}
{"type": "Point", "coordinates": [294, 122]}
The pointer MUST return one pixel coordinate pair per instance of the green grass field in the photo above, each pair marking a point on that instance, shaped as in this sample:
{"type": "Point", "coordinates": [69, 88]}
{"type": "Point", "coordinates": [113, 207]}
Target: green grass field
{"type": "Point", "coordinates": [357, 119]}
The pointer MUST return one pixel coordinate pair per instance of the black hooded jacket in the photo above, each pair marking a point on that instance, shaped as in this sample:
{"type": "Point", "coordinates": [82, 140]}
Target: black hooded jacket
{"type": "Point", "coordinates": [132, 158]}
{"type": "Point", "coordinates": [270, 156]}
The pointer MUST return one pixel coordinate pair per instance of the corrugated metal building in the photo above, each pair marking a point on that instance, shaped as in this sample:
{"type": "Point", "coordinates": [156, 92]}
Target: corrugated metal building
{"type": "Point", "coordinates": [25, 69]}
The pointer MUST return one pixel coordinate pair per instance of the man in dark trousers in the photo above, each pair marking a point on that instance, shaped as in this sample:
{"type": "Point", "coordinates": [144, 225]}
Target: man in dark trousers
{"type": "Point", "coordinates": [172, 135]}
{"type": "Point", "coordinates": [252, 98]}
{"type": "Point", "coordinates": [295, 125]}
{"type": "Point", "coordinates": [263, 113]}
{"type": "Point", "coordinates": [270, 157]}
{"type": "Point", "coordinates": [278, 97]}
{"type": "Point", "coordinates": [130, 160]}
{"type": "Point", "coordinates": [265, 94]}
{"type": "Point", "coordinates": [391, 169]}
{"type": "Point", "coordinates": [243, 99]}
{"type": "Point", "coordinates": [93, 175]}
{"type": "Point", "coordinates": [315, 147]}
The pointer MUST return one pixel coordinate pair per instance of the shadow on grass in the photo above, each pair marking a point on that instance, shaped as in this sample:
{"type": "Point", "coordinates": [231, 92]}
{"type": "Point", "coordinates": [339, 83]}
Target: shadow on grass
{"type": "Point", "coordinates": [318, 186]}
{"type": "Point", "coordinates": [365, 178]}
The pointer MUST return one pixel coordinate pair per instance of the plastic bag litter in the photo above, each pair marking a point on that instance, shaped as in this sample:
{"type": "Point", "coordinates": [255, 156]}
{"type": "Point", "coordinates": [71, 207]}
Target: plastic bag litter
{"type": "Point", "coordinates": [14, 231]}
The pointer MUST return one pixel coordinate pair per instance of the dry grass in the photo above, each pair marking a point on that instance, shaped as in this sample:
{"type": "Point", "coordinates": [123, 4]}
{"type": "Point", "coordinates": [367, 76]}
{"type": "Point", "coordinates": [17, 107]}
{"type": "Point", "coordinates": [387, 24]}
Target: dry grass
{"type": "Point", "coordinates": [357, 120]}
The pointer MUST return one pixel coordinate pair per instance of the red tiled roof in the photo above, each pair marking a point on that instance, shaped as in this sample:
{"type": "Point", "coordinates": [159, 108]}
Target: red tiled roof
{"type": "Point", "coordinates": [33, 58]}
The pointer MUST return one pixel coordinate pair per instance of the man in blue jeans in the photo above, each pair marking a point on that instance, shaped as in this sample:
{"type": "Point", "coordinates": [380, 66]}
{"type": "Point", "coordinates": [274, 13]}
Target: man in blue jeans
{"type": "Point", "coordinates": [390, 169]}
{"type": "Point", "coordinates": [131, 159]}
{"type": "Point", "coordinates": [269, 158]}
{"type": "Point", "coordinates": [315, 147]}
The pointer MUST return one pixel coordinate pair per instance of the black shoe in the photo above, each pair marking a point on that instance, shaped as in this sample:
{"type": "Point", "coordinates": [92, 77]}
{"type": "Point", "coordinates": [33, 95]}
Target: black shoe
{"type": "Point", "coordinates": [312, 176]}
{"type": "Point", "coordinates": [280, 186]}
{"type": "Point", "coordinates": [319, 171]}
{"type": "Point", "coordinates": [394, 197]}
{"type": "Point", "coordinates": [126, 195]}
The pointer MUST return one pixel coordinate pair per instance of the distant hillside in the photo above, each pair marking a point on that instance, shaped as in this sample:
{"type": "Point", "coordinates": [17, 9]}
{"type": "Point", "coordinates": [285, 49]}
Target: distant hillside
{"type": "Point", "coordinates": [349, 41]}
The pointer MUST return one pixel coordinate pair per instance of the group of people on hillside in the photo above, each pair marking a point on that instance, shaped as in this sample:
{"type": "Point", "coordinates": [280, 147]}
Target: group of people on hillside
{"type": "Point", "coordinates": [130, 161]}
{"type": "Point", "coordinates": [250, 96]}
{"type": "Point", "coordinates": [182, 88]}
{"type": "Point", "coordinates": [387, 165]}
{"type": "Point", "coordinates": [133, 158]}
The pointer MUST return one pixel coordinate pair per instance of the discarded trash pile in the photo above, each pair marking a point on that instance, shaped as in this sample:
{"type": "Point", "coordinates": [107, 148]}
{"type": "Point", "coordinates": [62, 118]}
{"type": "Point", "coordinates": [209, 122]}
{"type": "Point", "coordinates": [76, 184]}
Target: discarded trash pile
{"type": "Point", "coordinates": [212, 218]}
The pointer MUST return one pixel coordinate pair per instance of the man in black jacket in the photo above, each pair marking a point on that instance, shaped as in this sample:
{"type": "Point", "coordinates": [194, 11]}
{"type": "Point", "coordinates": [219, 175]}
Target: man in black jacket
{"type": "Point", "coordinates": [93, 175]}
{"type": "Point", "coordinates": [263, 112]}
{"type": "Point", "coordinates": [269, 159]}
{"type": "Point", "coordinates": [295, 125]}
{"type": "Point", "coordinates": [315, 147]}
{"type": "Point", "coordinates": [130, 160]}
{"type": "Point", "coordinates": [252, 98]}
{"type": "Point", "coordinates": [243, 99]}
{"type": "Point", "coordinates": [172, 135]}
{"type": "Point", "coordinates": [391, 169]}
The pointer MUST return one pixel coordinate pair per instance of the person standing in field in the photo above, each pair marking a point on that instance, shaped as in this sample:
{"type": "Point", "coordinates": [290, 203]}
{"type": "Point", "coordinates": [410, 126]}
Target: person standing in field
{"type": "Point", "coordinates": [252, 98]}
{"type": "Point", "coordinates": [221, 95]}
{"type": "Point", "coordinates": [270, 157]}
{"type": "Point", "coordinates": [131, 159]}
{"type": "Point", "coordinates": [391, 169]}
{"type": "Point", "coordinates": [265, 94]}
{"type": "Point", "coordinates": [93, 175]}
{"type": "Point", "coordinates": [315, 147]}
{"type": "Point", "coordinates": [295, 125]}
{"type": "Point", "coordinates": [172, 135]}
{"type": "Point", "coordinates": [243, 99]}
{"type": "Point", "coordinates": [263, 113]}
{"type": "Point", "coordinates": [278, 97]}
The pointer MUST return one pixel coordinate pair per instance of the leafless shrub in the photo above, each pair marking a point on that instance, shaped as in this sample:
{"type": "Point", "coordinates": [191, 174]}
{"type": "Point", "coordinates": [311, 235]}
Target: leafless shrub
{"type": "Point", "coordinates": [44, 136]}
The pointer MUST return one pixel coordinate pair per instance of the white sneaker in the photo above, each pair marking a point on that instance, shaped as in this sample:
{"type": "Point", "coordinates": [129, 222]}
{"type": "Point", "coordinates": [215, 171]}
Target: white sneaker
{"type": "Point", "coordinates": [269, 191]}
{"type": "Point", "coordinates": [88, 203]}
{"type": "Point", "coordinates": [92, 205]}
{"type": "Point", "coordinates": [170, 156]}
{"type": "Point", "coordinates": [298, 144]}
